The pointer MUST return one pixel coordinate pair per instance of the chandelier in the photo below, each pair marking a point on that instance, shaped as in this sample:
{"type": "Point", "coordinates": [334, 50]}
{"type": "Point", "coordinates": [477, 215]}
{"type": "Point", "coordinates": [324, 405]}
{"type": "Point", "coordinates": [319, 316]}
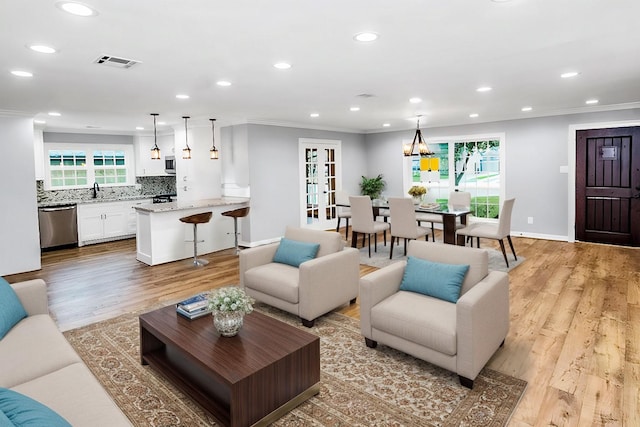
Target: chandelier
{"type": "Point", "coordinates": [423, 148]}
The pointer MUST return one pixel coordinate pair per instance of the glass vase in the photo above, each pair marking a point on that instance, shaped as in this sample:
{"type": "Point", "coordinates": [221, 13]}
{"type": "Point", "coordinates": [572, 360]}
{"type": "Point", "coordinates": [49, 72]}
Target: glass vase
{"type": "Point", "coordinates": [228, 323]}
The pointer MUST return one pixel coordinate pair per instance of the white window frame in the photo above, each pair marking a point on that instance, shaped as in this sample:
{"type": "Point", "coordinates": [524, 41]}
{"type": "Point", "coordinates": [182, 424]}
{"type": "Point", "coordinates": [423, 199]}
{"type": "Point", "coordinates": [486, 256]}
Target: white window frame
{"type": "Point", "coordinates": [89, 149]}
{"type": "Point", "coordinates": [450, 140]}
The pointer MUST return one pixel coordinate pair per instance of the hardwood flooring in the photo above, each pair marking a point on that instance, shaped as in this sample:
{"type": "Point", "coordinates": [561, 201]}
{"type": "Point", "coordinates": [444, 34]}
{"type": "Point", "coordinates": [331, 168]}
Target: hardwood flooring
{"type": "Point", "coordinates": [574, 334]}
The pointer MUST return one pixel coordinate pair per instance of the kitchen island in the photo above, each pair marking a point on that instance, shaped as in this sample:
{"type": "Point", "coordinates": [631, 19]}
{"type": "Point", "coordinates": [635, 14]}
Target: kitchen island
{"type": "Point", "coordinates": [161, 237]}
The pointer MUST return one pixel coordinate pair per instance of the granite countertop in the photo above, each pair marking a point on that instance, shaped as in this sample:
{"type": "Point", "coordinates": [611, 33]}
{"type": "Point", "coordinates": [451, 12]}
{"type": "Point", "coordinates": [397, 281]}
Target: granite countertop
{"type": "Point", "coordinates": [53, 203]}
{"type": "Point", "coordinates": [205, 203]}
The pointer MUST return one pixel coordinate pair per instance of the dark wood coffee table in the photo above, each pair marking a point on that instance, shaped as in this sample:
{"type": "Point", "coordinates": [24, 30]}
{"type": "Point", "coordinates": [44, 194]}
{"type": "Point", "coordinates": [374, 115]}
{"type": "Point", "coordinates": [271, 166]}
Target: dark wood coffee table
{"type": "Point", "coordinates": [250, 379]}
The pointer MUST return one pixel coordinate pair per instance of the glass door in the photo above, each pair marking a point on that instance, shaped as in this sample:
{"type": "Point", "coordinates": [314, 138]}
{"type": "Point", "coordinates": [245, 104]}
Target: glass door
{"type": "Point", "coordinates": [319, 162]}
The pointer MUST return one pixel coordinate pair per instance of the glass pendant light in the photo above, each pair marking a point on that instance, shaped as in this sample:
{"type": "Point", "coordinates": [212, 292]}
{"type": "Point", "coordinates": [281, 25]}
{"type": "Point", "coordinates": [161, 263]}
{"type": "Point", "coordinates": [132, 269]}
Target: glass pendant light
{"type": "Point", "coordinates": [213, 152]}
{"type": "Point", "coordinates": [186, 151]}
{"type": "Point", "coordinates": [155, 151]}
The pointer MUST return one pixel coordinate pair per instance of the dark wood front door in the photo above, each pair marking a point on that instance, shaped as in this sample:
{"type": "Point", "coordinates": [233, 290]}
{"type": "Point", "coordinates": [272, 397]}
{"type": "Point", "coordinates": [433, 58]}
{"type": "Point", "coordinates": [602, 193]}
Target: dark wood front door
{"type": "Point", "coordinates": [608, 186]}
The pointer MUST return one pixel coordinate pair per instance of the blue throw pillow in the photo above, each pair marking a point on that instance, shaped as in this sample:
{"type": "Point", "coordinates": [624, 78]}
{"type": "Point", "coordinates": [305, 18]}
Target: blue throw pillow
{"type": "Point", "coordinates": [294, 253]}
{"type": "Point", "coordinates": [23, 411]}
{"type": "Point", "coordinates": [442, 281]}
{"type": "Point", "coordinates": [11, 309]}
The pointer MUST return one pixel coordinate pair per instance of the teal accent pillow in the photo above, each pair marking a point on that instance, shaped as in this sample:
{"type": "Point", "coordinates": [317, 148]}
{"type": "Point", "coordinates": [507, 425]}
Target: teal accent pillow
{"type": "Point", "coordinates": [23, 411]}
{"type": "Point", "coordinates": [442, 281]}
{"type": "Point", "coordinates": [294, 253]}
{"type": "Point", "coordinates": [11, 309]}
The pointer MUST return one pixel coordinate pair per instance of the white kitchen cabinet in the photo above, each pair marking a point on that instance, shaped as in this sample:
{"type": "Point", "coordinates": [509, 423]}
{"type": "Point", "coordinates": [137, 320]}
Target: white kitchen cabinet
{"type": "Point", "coordinates": [131, 215]}
{"type": "Point", "coordinates": [104, 221]}
{"type": "Point", "coordinates": [145, 166]}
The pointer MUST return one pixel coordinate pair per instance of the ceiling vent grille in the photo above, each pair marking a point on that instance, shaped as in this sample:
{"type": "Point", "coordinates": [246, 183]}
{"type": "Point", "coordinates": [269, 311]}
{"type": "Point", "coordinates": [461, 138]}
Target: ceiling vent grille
{"type": "Point", "coordinates": [114, 61]}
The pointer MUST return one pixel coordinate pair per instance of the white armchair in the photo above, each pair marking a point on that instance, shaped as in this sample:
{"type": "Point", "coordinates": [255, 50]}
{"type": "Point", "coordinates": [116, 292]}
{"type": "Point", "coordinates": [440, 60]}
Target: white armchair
{"type": "Point", "coordinates": [460, 337]}
{"type": "Point", "coordinates": [315, 287]}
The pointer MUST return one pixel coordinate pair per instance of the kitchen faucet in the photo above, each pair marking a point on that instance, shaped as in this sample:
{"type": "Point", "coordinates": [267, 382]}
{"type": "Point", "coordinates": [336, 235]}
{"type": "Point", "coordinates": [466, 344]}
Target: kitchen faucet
{"type": "Point", "coordinates": [96, 188]}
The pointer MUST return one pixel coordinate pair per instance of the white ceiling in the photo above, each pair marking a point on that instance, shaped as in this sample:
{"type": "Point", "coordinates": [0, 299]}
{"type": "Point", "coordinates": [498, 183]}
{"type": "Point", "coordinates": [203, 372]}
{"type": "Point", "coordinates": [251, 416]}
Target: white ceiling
{"type": "Point", "coordinates": [438, 50]}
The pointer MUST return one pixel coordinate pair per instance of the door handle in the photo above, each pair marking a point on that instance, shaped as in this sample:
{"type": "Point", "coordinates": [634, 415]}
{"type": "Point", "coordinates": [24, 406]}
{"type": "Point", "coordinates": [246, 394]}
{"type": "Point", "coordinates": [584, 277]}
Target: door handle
{"type": "Point", "coordinates": [637, 196]}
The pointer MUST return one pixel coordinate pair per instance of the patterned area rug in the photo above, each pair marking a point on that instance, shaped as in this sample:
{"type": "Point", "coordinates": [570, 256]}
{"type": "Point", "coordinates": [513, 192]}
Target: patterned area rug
{"type": "Point", "coordinates": [359, 386]}
{"type": "Point", "coordinates": [381, 257]}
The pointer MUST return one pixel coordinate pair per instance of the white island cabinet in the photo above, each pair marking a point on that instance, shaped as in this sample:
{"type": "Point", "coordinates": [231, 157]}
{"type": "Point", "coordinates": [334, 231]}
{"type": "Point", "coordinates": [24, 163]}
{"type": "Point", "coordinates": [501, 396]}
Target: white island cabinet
{"type": "Point", "coordinates": [161, 237]}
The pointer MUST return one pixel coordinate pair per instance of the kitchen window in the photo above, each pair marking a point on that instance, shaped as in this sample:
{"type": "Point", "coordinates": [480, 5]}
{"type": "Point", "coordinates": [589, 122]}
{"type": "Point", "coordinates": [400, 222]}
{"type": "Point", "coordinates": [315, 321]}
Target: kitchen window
{"type": "Point", "coordinates": [70, 166]}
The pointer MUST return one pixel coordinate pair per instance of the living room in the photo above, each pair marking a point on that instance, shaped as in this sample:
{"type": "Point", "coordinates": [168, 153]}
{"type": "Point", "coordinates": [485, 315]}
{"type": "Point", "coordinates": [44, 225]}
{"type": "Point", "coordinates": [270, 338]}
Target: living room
{"type": "Point", "coordinates": [263, 154]}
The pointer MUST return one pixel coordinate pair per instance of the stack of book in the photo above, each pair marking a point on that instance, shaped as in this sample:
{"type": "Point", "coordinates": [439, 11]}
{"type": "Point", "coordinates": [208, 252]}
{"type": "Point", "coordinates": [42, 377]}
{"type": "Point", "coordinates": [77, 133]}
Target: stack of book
{"type": "Point", "coordinates": [194, 307]}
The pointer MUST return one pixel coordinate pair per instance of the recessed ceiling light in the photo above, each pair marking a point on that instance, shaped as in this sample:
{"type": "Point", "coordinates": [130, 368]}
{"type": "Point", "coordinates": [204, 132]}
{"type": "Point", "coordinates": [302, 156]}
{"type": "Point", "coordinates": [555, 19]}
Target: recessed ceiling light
{"type": "Point", "coordinates": [39, 122]}
{"type": "Point", "coordinates": [569, 74]}
{"type": "Point", "coordinates": [365, 36]}
{"type": "Point", "coordinates": [526, 108]}
{"type": "Point", "coordinates": [182, 96]}
{"type": "Point", "coordinates": [139, 128]}
{"type": "Point", "coordinates": [40, 48]}
{"type": "Point", "coordinates": [54, 114]}
{"type": "Point", "coordinates": [484, 89]}
{"type": "Point", "coordinates": [282, 65]}
{"type": "Point", "coordinates": [75, 8]}
{"type": "Point", "coordinates": [223, 83]}
{"type": "Point", "coordinates": [386, 125]}
{"type": "Point", "coordinates": [474, 115]}
{"type": "Point", "coordinates": [591, 101]}
{"type": "Point", "coordinates": [354, 109]}
{"type": "Point", "coordinates": [21, 73]}
{"type": "Point", "coordinates": [415, 100]}
{"type": "Point", "coordinates": [314, 115]}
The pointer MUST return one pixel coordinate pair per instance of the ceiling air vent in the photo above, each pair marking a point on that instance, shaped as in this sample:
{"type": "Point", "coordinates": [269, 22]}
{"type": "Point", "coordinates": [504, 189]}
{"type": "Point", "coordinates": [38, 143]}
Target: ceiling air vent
{"type": "Point", "coordinates": [114, 61]}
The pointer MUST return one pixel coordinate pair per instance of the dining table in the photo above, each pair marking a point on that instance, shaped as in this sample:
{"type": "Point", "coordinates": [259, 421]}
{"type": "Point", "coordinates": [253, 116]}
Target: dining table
{"type": "Point", "coordinates": [449, 214]}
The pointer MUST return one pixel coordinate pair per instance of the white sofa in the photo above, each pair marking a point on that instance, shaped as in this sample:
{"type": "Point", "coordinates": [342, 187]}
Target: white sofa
{"type": "Point", "coordinates": [460, 337]}
{"type": "Point", "coordinates": [315, 288]}
{"type": "Point", "coordinates": [37, 361]}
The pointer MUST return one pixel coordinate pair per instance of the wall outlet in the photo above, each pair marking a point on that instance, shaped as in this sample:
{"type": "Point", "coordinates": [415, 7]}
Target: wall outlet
{"type": "Point", "coordinates": [529, 220]}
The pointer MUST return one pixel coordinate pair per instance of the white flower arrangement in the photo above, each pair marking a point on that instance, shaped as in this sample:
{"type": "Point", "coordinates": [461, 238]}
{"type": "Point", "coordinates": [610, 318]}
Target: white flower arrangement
{"type": "Point", "coordinates": [230, 298]}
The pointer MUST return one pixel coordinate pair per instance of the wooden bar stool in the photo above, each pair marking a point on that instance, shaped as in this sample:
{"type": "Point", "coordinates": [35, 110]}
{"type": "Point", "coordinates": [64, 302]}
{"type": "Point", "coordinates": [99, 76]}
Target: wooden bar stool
{"type": "Point", "coordinates": [201, 218]}
{"type": "Point", "coordinates": [235, 214]}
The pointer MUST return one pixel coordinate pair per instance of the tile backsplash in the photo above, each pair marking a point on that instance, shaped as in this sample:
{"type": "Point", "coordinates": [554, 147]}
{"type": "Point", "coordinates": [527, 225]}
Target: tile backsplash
{"type": "Point", "coordinates": [149, 186]}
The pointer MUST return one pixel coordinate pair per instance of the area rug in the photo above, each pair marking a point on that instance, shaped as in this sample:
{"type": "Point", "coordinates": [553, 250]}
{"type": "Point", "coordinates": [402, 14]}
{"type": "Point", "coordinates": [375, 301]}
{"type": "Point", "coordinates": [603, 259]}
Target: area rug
{"type": "Point", "coordinates": [359, 386]}
{"type": "Point", "coordinates": [381, 257]}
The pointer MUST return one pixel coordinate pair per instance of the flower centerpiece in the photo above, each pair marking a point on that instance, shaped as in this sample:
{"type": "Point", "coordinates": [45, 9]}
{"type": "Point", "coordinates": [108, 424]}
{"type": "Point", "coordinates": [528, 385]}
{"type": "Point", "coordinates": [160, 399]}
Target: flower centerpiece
{"type": "Point", "coordinates": [417, 192]}
{"type": "Point", "coordinates": [229, 305]}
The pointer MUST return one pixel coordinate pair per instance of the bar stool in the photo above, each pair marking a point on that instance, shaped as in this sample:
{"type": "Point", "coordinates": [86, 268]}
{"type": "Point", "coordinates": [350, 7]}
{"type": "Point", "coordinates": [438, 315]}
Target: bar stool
{"type": "Point", "coordinates": [201, 218]}
{"type": "Point", "coordinates": [235, 214]}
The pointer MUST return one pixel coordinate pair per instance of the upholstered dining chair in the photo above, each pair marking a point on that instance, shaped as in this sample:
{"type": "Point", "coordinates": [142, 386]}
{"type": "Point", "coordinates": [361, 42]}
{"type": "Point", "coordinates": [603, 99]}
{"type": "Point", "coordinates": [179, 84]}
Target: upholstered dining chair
{"type": "Point", "coordinates": [457, 199]}
{"type": "Point", "coordinates": [342, 200]}
{"type": "Point", "coordinates": [362, 222]}
{"type": "Point", "coordinates": [403, 222]}
{"type": "Point", "coordinates": [493, 231]}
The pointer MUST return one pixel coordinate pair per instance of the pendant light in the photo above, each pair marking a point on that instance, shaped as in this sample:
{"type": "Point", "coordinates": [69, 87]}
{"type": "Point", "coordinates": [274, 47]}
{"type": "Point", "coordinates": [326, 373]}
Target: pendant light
{"type": "Point", "coordinates": [213, 153]}
{"type": "Point", "coordinates": [423, 148]}
{"type": "Point", "coordinates": [186, 151]}
{"type": "Point", "coordinates": [155, 151]}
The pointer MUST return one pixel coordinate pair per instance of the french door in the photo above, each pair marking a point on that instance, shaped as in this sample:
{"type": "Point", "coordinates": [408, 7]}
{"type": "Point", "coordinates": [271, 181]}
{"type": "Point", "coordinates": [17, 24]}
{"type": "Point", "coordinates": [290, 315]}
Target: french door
{"type": "Point", "coordinates": [320, 174]}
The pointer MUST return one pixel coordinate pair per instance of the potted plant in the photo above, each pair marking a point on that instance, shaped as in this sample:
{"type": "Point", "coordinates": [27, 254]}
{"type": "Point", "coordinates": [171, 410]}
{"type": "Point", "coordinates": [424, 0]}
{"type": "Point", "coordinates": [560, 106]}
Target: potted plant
{"type": "Point", "coordinates": [417, 192]}
{"type": "Point", "coordinates": [229, 305]}
{"type": "Point", "coordinates": [372, 187]}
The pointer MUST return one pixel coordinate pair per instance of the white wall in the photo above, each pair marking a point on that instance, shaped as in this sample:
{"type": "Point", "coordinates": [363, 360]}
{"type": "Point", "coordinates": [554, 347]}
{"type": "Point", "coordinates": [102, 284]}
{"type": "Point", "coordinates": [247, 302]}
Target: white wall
{"type": "Point", "coordinates": [20, 242]}
{"type": "Point", "coordinates": [272, 153]}
{"type": "Point", "coordinates": [536, 149]}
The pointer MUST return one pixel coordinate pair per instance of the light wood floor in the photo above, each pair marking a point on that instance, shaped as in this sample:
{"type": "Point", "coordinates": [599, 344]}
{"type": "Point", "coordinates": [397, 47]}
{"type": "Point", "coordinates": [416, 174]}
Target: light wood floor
{"type": "Point", "coordinates": [575, 317]}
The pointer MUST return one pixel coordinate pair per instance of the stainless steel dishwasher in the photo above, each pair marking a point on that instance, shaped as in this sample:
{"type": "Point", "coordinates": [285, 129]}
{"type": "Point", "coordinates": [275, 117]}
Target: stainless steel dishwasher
{"type": "Point", "coordinates": [58, 226]}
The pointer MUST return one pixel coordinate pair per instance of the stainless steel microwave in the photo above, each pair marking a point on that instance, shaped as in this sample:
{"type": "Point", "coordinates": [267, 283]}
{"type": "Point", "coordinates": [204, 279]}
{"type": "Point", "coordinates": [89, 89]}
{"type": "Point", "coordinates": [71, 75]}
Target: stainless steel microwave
{"type": "Point", "coordinates": [170, 164]}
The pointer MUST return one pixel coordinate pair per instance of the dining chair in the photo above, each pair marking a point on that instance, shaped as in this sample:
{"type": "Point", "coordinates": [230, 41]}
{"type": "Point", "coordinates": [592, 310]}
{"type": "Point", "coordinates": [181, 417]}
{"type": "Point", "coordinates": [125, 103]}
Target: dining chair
{"type": "Point", "coordinates": [362, 222]}
{"type": "Point", "coordinates": [342, 200]}
{"type": "Point", "coordinates": [457, 199]}
{"type": "Point", "coordinates": [403, 222]}
{"type": "Point", "coordinates": [494, 231]}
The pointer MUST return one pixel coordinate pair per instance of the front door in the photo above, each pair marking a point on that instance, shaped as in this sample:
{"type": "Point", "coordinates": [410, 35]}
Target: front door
{"type": "Point", "coordinates": [608, 186]}
{"type": "Point", "coordinates": [320, 173]}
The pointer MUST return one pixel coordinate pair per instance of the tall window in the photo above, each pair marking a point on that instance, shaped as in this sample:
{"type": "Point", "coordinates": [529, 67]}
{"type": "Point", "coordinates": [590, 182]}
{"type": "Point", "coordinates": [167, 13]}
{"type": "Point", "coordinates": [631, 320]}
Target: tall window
{"type": "Point", "coordinates": [473, 164]}
{"type": "Point", "coordinates": [80, 165]}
